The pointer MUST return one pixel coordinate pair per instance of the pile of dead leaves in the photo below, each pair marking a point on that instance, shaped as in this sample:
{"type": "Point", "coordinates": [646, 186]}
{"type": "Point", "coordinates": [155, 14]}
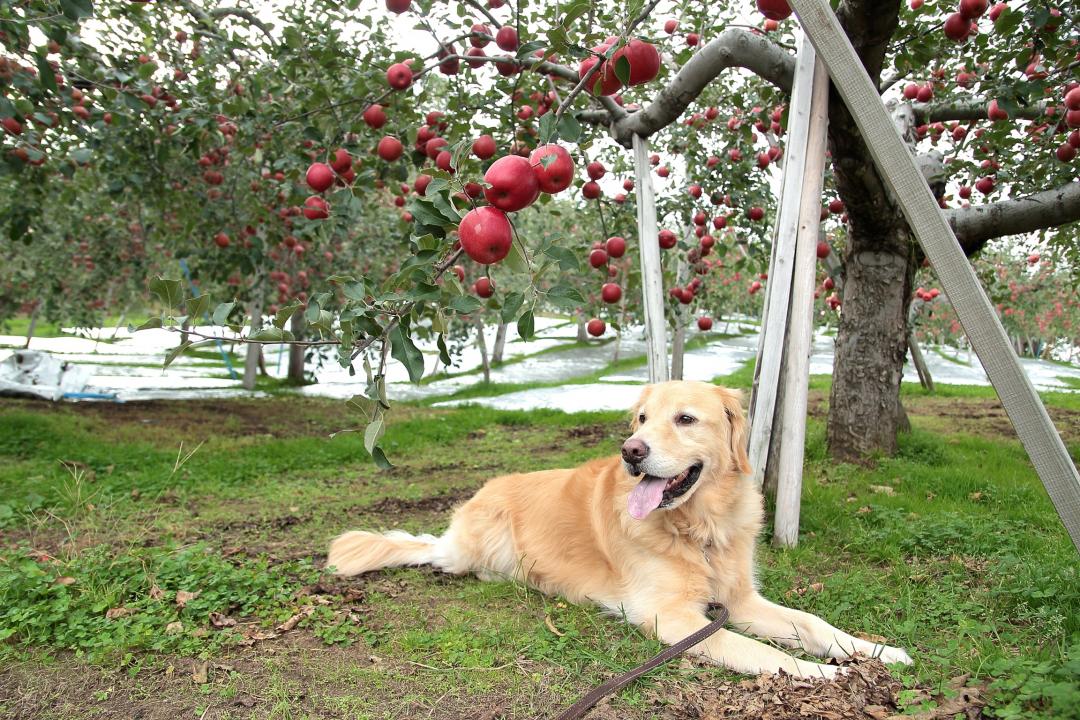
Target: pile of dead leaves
{"type": "Point", "coordinates": [866, 692]}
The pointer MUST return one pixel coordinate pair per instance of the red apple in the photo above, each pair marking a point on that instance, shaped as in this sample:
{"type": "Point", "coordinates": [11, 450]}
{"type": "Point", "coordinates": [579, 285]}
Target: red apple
{"type": "Point", "coordinates": [972, 9]}
{"type": "Point", "coordinates": [398, 6]}
{"type": "Point", "coordinates": [754, 287]}
{"type": "Point", "coordinates": [755, 213]}
{"type": "Point", "coordinates": [421, 183]}
{"type": "Point", "coordinates": [315, 208]}
{"type": "Point", "coordinates": [399, 76]}
{"type": "Point", "coordinates": [221, 240]}
{"type": "Point", "coordinates": [596, 327]}
{"type": "Point", "coordinates": [507, 38]}
{"type": "Point", "coordinates": [616, 247]}
{"type": "Point", "coordinates": [590, 190]}
{"type": "Point", "coordinates": [610, 293]}
{"type": "Point", "coordinates": [995, 111]}
{"type": "Point", "coordinates": [390, 148]}
{"type": "Point", "coordinates": [512, 184]}
{"type": "Point", "coordinates": [1065, 152]}
{"type": "Point", "coordinates": [484, 147]}
{"type": "Point", "coordinates": [774, 9]}
{"type": "Point", "coordinates": [667, 239]}
{"type": "Point", "coordinates": [342, 161]}
{"type": "Point", "coordinates": [604, 80]}
{"type": "Point", "coordinates": [480, 29]}
{"type": "Point", "coordinates": [823, 250]}
{"type": "Point", "coordinates": [985, 185]}
{"type": "Point", "coordinates": [670, 26]}
{"type": "Point", "coordinates": [704, 323]}
{"type": "Point", "coordinates": [1072, 99]}
{"type": "Point", "coordinates": [484, 287]}
{"type": "Point", "coordinates": [598, 258]}
{"type": "Point", "coordinates": [644, 60]}
{"type": "Point", "coordinates": [957, 27]}
{"type": "Point", "coordinates": [553, 168]}
{"type": "Point", "coordinates": [320, 176]}
{"type": "Point", "coordinates": [595, 170]}
{"type": "Point", "coordinates": [486, 235]}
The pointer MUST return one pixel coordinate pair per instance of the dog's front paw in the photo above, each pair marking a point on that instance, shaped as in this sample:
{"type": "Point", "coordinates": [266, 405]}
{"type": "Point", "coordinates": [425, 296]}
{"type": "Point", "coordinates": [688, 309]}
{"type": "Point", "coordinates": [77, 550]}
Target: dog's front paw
{"type": "Point", "coordinates": [890, 655]}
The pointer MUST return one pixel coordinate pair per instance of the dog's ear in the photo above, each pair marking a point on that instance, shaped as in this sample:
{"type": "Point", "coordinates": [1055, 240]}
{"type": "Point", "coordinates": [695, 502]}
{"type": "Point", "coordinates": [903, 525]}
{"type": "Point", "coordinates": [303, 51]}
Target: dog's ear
{"type": "Point", "coordinates": [732, 400]}
{"type": "Point", "coordinates": [636, 410]}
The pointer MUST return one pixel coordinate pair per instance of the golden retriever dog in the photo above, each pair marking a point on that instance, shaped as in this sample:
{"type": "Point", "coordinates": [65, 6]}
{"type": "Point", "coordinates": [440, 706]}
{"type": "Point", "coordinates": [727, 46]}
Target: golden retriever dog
{"type": "Point", "coordinates": [654, 535]}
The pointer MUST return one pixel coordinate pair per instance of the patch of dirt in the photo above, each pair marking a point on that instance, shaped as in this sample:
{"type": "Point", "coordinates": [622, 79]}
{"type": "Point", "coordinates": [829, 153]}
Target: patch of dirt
{"type": "Point", "coordinates": [972, 416]}
{"type": "Point", "coordinates": [589, 435]}
{"type": "Point", "coordinates": [391, 507]}
{"type": "Point", "coordinates": [279, 417]}
{"type": "Point", "coordinates": [866, 692]}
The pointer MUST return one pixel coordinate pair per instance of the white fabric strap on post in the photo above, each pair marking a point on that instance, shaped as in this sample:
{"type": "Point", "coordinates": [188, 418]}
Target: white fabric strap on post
{"type": "Point", "coordinates": [801, 323]}
{"type": "Point", "coordinates": [897, 167]}
{"type": "Point", "coordinates": [774, 323]}
{"type": "Point", "coordinates": [652, 275]}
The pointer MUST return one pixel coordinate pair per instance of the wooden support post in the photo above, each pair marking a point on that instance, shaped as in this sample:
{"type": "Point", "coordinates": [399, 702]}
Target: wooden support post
{"type": "Point", "coordinates": [976, 314]}
{"type": "Point", "coordinates": [652, 275]}
{"type": "Point", "coordinates": [800, 333]}
{"type": "Point", "coordinates": [771, 346]}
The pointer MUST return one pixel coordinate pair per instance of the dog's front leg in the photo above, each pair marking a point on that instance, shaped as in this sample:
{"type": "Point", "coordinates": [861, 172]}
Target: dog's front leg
{"type": "Point", "coordinates": [735, 652]}
{"type": "Point", "coordinates": [795, 628]}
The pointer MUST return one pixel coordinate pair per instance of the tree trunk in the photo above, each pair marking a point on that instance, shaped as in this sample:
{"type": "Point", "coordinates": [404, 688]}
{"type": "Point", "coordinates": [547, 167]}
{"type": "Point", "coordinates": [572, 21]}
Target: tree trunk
{"type": "Point", "coordinates": [879, 267]}
{"type": "Point", "coordinates": [33, 325]}
{"type": "Point", "coordinates": [678, 347]}
{"type": "Point", "coordinates": [500, 344]}
{"type": "Point", "coordinates": [920, 364]}
{"type": "Point", "coordinates": [254, 350]}
{"type": "Point", "coordinates": [184, 327]}
{"type": "Point", "coordinates": [582, 335]}
{"type": "Point", "coordinates": [864, 407]}
{"type": "Point", "coordinates": [481, 343]}
{"type": "Point", "coordinates": [296, 352]}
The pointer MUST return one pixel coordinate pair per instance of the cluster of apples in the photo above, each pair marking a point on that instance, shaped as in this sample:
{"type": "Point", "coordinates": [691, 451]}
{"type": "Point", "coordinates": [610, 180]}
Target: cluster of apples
{"type": "Point", "coordinates": [322, 176]}
{"type": "Point", "coordinates": [643, 59]}
{"type": "Point", "coordinates": [513, 183]}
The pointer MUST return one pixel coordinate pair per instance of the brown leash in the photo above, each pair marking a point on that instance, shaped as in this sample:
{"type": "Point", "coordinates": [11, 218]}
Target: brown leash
{"type": "Point", "coordinates": [582, 706]}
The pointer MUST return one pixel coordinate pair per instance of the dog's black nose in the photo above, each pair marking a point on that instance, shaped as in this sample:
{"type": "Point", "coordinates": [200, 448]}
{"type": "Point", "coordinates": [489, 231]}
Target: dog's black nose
{"type": "Point", "coordinates": [634, 451]}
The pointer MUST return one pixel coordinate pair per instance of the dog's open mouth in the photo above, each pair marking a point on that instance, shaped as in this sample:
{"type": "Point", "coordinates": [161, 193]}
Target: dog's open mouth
{"type": "Point", "coordinates": [657, 492]}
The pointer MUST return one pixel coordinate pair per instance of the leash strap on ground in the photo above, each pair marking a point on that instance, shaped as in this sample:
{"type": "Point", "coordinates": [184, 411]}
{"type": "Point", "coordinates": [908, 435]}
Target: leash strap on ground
{"type": "Point", "coordinates": [582, 706]}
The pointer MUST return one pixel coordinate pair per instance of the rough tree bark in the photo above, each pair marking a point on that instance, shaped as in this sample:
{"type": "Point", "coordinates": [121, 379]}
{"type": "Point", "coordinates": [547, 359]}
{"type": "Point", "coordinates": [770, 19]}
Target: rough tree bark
{"type": "Point", "coordinates": [500, 345]}
{"type": "Point", "coordinates": [296, 352]}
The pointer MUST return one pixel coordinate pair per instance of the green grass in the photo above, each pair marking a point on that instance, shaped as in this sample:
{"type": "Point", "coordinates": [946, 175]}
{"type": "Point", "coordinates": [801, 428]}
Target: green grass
{"type": "Point", "coordinates": [950, 549]}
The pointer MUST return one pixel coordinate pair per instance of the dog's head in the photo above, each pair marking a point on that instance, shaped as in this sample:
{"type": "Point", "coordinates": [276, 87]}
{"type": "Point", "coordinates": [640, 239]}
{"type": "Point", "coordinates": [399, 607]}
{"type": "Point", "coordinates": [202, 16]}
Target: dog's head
{"type": "Point", "coordinates": [685, 434]}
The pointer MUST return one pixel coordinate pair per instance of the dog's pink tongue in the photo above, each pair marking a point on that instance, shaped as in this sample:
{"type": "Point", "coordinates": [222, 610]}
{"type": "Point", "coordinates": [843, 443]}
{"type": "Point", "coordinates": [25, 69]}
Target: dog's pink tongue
{"type": "Point", "coordinates": [645, 497]}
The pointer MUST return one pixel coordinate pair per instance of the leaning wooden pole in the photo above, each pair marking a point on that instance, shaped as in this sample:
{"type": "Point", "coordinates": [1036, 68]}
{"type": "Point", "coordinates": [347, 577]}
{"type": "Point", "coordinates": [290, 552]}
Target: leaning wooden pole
{"type": "Point", "coordinates": [652, 275]}
{"type": "Point", "coordinates": [897, 168]}
{"type": "Point", "coordinates": [800, 330]}
{"type": "Point", "coordinates": [774, 323]}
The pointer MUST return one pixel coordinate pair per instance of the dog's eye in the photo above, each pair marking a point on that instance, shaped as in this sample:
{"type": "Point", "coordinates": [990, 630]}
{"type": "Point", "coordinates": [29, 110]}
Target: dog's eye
{"type": "Point", "coordinates": [641, 418]}
{"type": "Point", "coordinates": [685, 420]}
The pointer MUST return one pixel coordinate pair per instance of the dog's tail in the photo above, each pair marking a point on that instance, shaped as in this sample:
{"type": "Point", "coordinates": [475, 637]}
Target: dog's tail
{"type": "Point", "coordinates": [359, 551]}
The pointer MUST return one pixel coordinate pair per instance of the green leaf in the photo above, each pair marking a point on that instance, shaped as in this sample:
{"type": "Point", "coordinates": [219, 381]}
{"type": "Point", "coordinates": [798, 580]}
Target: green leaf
{"type": "Point", "coordinates": [569, 128]}
{"type": "Point", "coordinates": [285, 314]}
{"type": "Point", "coordinates": [547, 128]}
{"type": "Point", "coordinates": [380, 459]}
{"type": "Point", "coordinates": [464, 304]}
{"type": "Point", "coordinates": [424, 292]}
{"type": "Point", "coordinates": [526, 325]}
{"type": "Point", "coordinates": [511, 305]}
{"type": "Point", "coordinates": [151, 324]}
{"type": "Point", "coordinates": [221, 313]}
{"type": "Point", "coordinates": [622, 69]}
{"type": "Point", "coordinates": [168, 291]}
{"type": "Point", "coordinates": [405, 352]}
{"type": "Point", "coordinates": [175, 352]}
{"type": "Point", "coordinates": [77, 9]}
{"type": "Point", "coordinates": [270, 334]}
{"type": "Point", "coordinates": [46, 75]}
{"type": "Point", "coordinates": [530, 47]}
{"type": "Point", "coordinates": [516, 261]}
{"type": "Point", "coordinates": [198, 306]}
{"type": "Point", "coordinates": [567, 259]}
{"type": "Point", "coordinates": [565, 296]}
{"type": "Point", "coordinates": [373, 433]}
{"type": "Point", "coordinates": [444, 354]}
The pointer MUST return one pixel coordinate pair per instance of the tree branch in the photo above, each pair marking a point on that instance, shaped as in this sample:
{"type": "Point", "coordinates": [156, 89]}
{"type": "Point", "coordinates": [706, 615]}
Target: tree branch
{"type": "Point", "coordinates": [977, 224]}
{"type": "Point", "coordinates": [246, 15]}
{"type": "Point", "coordinates": [733, 48]}
{"type": "Point", "coordinates": [970, 110]}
